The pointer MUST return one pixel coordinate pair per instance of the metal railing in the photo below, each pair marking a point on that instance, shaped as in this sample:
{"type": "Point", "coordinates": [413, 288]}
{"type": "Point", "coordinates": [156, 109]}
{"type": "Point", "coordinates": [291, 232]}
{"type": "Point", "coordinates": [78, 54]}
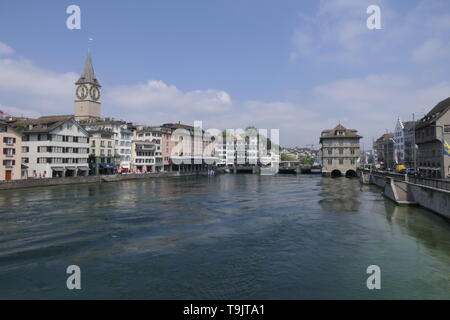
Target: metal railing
{"type": "Point", "coordinates": [443, 184]}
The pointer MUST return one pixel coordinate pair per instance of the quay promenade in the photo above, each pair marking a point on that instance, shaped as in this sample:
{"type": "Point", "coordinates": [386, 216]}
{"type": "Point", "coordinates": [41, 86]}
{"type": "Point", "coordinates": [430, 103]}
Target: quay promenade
{"type": "Point", "coordinates": [433, 194]}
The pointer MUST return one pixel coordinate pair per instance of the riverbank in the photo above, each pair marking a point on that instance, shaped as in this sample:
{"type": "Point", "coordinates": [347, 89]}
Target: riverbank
{"type": "Point", "coordinates": [404, 192]}
{"type": "Point", "coordinates": [33, 183]}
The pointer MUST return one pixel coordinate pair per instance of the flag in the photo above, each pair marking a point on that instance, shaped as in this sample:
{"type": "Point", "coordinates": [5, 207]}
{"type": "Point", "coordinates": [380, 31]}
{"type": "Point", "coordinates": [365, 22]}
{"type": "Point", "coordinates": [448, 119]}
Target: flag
{"type": "Point", "coordinates": [446, 149]}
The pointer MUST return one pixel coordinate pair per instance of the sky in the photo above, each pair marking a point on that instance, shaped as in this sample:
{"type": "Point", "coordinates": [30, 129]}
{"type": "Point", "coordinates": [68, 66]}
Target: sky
{"type": "Point", "coordinates": [297, 66]}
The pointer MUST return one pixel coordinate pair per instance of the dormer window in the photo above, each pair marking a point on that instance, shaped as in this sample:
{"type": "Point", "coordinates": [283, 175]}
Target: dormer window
{"type": "Point", "coordinates": [339, 133]}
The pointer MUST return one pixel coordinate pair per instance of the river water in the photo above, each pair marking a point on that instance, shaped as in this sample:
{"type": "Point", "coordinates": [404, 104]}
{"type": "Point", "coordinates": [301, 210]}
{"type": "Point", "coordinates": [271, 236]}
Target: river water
{"type": "Point", "coordinates": [222, 237]}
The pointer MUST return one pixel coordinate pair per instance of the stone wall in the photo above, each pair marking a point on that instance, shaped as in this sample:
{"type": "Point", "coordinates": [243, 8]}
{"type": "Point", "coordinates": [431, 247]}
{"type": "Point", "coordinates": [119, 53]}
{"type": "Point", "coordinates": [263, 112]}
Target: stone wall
{"type": "Point", "coordinates": [404, 192]}
{"type": "Point", "coordinates": [433, 199]}
{"type": "Point", "coordinates": [30, 183]}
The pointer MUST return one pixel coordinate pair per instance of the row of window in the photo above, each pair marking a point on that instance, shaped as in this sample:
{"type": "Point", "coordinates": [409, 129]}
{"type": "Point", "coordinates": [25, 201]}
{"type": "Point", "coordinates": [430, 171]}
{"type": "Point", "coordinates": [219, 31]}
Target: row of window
{"type": "Point", "coordinates": [57, 137]}
{"type": "Point", "coordinates": [102, 144]}
{"type": "Point", "coordinates": [341, 151]}
{"type": "Point", "coordinates": [54, 149]}
{"type": "Point", "coordinates": [341, 161]}
{"type": "Point", "coordinates": [148, 160]}
{"type": "Point", "coordinates": [62, 160]}
{"type": "Point", "coordinates": [145, 154]}
{"type": "Point", "coordinates": [102, 152]}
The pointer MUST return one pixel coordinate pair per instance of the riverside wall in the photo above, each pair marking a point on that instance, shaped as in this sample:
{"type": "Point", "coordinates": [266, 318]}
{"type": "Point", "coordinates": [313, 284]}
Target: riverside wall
{"type": "Point", "coordinates": [408, 193]}
{"type": "Point", "coordinates": [32, 183]}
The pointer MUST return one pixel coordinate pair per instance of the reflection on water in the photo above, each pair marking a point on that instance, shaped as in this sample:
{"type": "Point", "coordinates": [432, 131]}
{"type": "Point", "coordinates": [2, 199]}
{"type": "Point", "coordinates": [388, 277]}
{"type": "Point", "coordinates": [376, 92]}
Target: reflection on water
{"type": "Point", "coordinates": [339, 194]}
{"type": "Point", "coordinates": [222, 237]}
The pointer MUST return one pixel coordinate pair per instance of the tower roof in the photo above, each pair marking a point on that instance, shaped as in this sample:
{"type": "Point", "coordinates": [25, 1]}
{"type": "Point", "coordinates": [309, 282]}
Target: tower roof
{"type": "Point", "coordinates": [88, 75]}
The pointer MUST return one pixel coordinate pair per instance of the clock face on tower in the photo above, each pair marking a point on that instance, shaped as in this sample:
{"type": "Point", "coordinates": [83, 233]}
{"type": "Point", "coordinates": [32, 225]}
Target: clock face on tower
{"type": "Point", "coordinates": [82, 92]}
{"type": "Point", "coordinates": [95, 93]}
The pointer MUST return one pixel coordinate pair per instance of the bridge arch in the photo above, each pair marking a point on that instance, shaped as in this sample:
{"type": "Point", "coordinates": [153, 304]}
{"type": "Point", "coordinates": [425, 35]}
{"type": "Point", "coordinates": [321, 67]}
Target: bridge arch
{"type": "Point", "coordinates": [350, 173]}
{"type": "Point", "coordinates": [336, 173]}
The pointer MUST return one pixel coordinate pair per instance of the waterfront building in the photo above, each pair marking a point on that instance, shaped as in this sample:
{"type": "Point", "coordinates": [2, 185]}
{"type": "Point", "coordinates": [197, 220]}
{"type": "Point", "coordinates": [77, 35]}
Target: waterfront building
{"type": "Point", "coordinates": [102, 155]}
{"type": "Point", "coordinates": [87, 94]}
{"type": "Point", "coordinates": [399, 142]}
{"type": "Point", "coordinates": [340, 151]}
{"type": "Point", "coordinates": [409, 148]}
{"type": "Point", "coordinates": [384, 149]}
{"type": "Point", "coordinates": [123, 136]}
{"type": "Point", "coordinates": [53, 146]}
{"type": "Point", "coordinates": [404, 143]}
{"type": "Point", "coordinates": [191, 148]}
{"type": "Point", "coordinates": [143, 157]}
{"type": "Point", "coordinates": [430, 133]}
{"type": "Point", "coordinates": [10, 152]}
{"type": "Point", "coordinates": [160, 137]}
{"type": "Point", "coordinates": [243, 148]}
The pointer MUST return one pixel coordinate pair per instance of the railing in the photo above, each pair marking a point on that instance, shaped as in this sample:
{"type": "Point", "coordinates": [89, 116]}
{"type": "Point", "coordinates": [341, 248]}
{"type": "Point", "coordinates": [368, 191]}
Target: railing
{"type": "Point", "coordinates": [443, 184]}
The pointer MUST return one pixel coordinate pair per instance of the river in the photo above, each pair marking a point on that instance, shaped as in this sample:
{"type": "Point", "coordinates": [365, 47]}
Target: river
{"type": "Point", "coordinates": [229, 236]}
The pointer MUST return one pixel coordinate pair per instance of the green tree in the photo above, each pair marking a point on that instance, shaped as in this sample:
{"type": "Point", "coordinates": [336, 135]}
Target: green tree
{"type": "Point", "coordinates": [287, 157]}
{"type": "Point", "coordinates": [306, 160]}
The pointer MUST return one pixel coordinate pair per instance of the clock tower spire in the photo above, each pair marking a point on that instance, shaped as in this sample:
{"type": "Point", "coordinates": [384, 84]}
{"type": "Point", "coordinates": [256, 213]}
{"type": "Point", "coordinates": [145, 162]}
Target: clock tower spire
{"type": "Point", "coordinates": [87, 94]}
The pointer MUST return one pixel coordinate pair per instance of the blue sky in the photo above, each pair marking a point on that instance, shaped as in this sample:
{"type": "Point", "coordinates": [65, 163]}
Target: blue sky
{"type": "Point", "coordinates": [300, 66]}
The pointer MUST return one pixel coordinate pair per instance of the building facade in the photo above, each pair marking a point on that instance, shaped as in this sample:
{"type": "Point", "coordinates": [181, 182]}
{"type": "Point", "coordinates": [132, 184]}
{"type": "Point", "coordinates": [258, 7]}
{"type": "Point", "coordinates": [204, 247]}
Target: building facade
{"type": "Point", "coordinates": [403, 140]}
{"type": "Point", "coordinates": [191, 148]}
{"type": "Point", "coordinates": [410, 144]}
{"type": "Point", "coordinates": [123, 137]}
{"type": "Point", "coordinates": [245, 148]}
{"type": "Point", "coordinates": [340, 151]}
{"type": "Point", "coordinates": [430, 133]}
{"type": "Point", "coordinates": [10, 153]}
{"type": "Point", "coordinates": [384, 150]}
{"type": "Point", "coordinates": [54, 146]}
{"type": "Point", "coordinates": [101, 155]}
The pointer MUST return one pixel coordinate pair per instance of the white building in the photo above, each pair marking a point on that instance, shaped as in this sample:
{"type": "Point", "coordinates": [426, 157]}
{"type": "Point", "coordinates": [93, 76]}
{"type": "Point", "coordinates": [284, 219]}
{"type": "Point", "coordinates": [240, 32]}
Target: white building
{"type": "Point", "coordinates": [54, 146]}
{"type": "Point", "coordinates": [245, 148]}
{"type": "Point", "coordinates": [150, 135]}
{"type": "Point", "coordinates": [399, 142]}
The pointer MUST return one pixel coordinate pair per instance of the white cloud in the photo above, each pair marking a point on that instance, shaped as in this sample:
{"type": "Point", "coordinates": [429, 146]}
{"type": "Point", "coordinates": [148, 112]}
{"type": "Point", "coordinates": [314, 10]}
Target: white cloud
{"type": "Point", "coordinates": [369, 103]}
{"type": "Point", "coordinates": [159, 96]}
{"type": "Point", "coordinates": [18, 112]}
{"type": "Point", "coordinates": [5, 49]}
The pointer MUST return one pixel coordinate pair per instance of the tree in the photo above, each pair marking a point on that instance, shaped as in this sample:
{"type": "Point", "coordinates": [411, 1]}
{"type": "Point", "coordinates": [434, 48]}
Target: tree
{"type": "Point", "coordinates": [287, 157]}
{"type": "Point", "coordinates": [306, 160]}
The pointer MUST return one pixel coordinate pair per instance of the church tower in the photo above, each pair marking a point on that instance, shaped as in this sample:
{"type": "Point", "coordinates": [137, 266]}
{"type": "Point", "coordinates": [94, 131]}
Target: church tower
{"type": "Point", "coordinates": [87, 94]}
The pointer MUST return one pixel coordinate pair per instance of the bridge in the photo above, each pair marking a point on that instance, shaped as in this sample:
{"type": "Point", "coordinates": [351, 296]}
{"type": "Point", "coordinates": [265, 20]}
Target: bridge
{"type": "Point", "coordinates": [296, 167]}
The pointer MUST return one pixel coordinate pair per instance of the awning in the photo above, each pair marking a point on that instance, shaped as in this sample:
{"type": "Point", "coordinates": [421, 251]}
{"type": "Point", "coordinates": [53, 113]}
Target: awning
{"type": "Point", "coordinates": [58, 169]}
{"type": "Point", "coordinates": [107, 166]}
{"type": "Point", "coordinates": [71, 168]}
{"type": "Point", "coordinates": [83, 168]}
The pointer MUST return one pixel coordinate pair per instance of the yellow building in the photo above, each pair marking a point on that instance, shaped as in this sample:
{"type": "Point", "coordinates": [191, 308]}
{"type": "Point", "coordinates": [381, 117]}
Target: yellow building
{"type": "Point", "coordinates": [10, 153]}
